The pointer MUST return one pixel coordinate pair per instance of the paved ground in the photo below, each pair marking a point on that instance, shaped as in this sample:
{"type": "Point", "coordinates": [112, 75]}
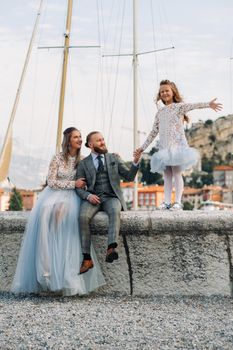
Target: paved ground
{"type": "Point", "coordinates": [115, 322]}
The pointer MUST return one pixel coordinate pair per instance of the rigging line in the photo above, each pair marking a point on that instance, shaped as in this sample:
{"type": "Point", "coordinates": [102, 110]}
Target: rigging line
{"type": "Point", "coordinates": [101, 15]}
{"type": "Point", "coordinates": [42, 22]}
{"type": "Point", "coordinates": [154, 42]}
{"type": "Point", "coordinates": [109, 69]}
{"type": "Point", "coordinates": [167, 23]}
{"type": "Point", "coordinates": [163, 68]}
{"type": "Point", "coordinates": [39, 36]}
{"type": "Point", "coordinates": [117, 69]}
{"type": "Point", "coordinates": [99, 71]}
{"type": "Point", "coordinates": [32, 109]}
{"type": "Point", "coordinates": [231, 78]}
{"type": "Point", "coordinates": [107, 32]}
{"type": "Point", "coordinates": [56, 88]}
{"type": "Point", "coordinates": [130, 77]}
{"type": "Point", "coordinates": [143, 98]}
{"type": "Point", "coordinates": [167, 35]}
{"type": "Point", "coordinates": [75, 115]}
{"type": "Point", "coordinates": [50, 120]}
{"type": "Point", "coordinates": [100, 20]}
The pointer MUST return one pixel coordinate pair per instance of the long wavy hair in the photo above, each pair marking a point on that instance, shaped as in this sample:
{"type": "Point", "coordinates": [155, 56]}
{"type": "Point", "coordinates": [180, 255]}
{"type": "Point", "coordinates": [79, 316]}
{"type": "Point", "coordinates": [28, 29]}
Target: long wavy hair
{"type": "Point", "coordinates": [176, 94]}
{"type": "Point", "coordinates": [66, 144]}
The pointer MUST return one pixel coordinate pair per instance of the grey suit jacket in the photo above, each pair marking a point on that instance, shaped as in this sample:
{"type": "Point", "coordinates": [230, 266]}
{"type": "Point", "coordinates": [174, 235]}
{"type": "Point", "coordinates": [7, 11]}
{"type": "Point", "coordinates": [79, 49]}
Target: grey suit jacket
{"type": "Point", "coordinates": [116, 169]}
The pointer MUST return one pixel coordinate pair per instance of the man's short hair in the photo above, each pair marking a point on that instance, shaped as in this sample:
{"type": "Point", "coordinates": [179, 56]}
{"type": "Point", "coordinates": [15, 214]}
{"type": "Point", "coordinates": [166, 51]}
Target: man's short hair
{"type": "Point", "coordinates": [89, 137]}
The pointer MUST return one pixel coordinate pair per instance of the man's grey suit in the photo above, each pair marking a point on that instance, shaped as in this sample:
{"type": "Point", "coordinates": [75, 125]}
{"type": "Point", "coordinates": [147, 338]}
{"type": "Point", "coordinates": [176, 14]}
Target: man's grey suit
{"type": "Point", "coordinates": [107, 186]}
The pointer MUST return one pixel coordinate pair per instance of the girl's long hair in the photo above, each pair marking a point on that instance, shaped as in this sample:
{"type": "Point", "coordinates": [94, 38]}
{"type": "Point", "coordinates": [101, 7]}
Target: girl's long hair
{"type": "Point", "coordinates": [66, 144]}
{"type": "Point", "coordinates": [176, 95]}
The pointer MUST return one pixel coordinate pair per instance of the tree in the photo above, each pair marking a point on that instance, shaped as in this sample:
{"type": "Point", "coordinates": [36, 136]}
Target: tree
{"type": "Point", "coordinates": [188, 206]}
{"type": "Point", "coordinates": [207, 165]}
{"type": "Point", "coordinates": [16, 201]}
{"type": "Point", "coordinates": [208, 122]}
{"type": "Point", "coordinates": [147, 176]}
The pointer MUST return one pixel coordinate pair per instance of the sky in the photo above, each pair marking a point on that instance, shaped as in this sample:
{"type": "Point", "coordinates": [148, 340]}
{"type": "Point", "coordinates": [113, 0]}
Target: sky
{"type": "Point", "coordinates": [99, 89]}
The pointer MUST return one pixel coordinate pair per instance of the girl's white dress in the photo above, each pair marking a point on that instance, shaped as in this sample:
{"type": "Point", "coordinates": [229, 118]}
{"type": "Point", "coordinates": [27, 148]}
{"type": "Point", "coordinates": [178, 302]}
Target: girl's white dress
{"type": "Point", "coordinates": [50, 254]}
{"type": "Point", "coordinates": [173, 146]}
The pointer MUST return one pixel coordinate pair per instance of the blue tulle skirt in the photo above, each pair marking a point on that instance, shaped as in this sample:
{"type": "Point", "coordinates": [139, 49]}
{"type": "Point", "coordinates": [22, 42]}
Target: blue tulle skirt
{"type": "Point", "coordinates": [185, 157]}
{"type": "Point", "coordinates": [50, 256]}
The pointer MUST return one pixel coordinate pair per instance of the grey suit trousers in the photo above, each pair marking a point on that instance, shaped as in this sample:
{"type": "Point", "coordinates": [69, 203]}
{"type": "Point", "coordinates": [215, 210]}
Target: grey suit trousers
{"type": "Point", "coordinates": [112, 206]}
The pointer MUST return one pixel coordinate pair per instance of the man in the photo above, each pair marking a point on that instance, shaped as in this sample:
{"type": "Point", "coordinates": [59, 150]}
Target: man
{"type": "Point", "coordinates": [102, 172]}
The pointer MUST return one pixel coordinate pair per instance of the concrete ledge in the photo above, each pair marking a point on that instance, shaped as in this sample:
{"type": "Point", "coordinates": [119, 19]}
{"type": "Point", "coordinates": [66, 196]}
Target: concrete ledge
{"type": "Point", "coordinates": [172, 253]}
{"type": "Point", "coordinates": [143, 222]}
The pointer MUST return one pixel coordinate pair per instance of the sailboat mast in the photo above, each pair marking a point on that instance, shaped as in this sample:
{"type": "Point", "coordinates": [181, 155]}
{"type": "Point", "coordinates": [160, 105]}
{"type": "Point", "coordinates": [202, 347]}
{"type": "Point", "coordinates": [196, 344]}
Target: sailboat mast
{"type": "Point", "coordinates": [135, 96]}
{"type": "Point", "coordinates": [7, 144]}
{"type": "Point", "coordinates": [64, 74]}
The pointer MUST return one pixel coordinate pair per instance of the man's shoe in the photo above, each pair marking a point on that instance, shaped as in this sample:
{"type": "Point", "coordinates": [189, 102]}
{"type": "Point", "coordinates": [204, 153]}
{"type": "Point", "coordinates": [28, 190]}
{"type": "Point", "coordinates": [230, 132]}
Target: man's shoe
{"type": "Point", "coordinates": [86, 265]}
{"type": "Point", "coordinates": [111, 255]}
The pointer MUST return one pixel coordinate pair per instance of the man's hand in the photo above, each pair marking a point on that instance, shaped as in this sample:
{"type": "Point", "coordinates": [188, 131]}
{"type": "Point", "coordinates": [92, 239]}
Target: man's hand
{"type": "Point", "coordinates": [93, 199]}
{"type": "Point", "coordinates": [137, 155]}
{"type": "Point", "coordinates": [80, 183]}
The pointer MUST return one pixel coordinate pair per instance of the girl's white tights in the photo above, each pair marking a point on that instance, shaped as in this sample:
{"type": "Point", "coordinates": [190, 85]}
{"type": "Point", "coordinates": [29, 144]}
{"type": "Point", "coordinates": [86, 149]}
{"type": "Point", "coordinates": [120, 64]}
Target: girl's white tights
{"type": "Point", "coordinates": [169, 173]}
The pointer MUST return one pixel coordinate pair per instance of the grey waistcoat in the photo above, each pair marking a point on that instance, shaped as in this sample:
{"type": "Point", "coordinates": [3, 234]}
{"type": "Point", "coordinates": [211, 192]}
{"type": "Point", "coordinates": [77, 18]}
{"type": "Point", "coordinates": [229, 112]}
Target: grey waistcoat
{"type": "Point", "coordinates": [102, 184]}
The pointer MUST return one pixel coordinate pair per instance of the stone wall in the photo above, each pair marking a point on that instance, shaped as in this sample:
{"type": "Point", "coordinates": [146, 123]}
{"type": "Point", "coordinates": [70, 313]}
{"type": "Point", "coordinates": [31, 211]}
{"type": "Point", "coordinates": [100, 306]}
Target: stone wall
{"type": "Point", "coordinates": [172, 253]}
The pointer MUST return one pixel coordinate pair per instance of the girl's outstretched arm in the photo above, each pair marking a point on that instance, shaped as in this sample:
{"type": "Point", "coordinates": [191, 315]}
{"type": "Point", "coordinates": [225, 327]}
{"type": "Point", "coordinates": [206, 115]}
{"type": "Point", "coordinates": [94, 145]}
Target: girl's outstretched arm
{"type": "Point", "coordinates": [152, 135]}
{"type": "Point", "coordinates": [186, 107]}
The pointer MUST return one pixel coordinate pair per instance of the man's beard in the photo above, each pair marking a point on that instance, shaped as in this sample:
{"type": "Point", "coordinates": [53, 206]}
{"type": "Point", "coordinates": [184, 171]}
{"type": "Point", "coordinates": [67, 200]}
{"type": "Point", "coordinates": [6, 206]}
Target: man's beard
{"type": "Point", "coordinates": [100, 150]}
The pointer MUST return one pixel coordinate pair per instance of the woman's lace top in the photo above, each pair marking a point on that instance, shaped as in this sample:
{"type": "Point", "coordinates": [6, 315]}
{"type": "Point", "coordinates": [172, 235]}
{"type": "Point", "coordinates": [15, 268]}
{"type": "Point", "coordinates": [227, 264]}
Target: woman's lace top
{"type": "Point", "coordinates": [170, 126]}
{"type": "Point", "coordinates": [62, 174]}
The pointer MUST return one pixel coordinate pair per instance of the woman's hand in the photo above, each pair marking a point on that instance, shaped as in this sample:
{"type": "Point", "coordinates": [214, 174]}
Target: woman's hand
{"type": "Point", "coordinates": [80, 183]}
{"type": "Point", "coordinates": [215, 106]}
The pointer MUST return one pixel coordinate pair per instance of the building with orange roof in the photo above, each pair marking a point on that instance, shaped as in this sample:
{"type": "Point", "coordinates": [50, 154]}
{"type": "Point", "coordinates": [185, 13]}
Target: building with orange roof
{"type": "Point", "coordinates": [149, 197]}
{"type": "Point", "coordinates": [152, 196]}
{"type": "Point", "coordinates": [223, 176]}
{"type": "Point", "coordinates": [212, 193]}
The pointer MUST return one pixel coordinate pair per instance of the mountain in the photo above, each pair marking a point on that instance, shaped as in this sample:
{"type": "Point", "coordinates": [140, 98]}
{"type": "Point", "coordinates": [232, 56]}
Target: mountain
{"type": "Point", "coordinates": [29, 167]}
{"type": "Point", "coordinates": [213, 139]}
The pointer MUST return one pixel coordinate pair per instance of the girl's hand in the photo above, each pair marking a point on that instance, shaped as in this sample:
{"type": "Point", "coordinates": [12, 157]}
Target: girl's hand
{"type": "Point", "coordinates": [137, 155]}
{"type": "Point", "coordinates": [137, 151]}
{"type": "Point", "coordinates": [215, 106]}
{"type": "Point", "coordinates": [80, 183]}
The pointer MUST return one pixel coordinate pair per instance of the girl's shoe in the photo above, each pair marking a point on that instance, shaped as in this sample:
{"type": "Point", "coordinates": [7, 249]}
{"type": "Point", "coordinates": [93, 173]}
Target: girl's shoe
{"type": "Point", "coordinates": [164, 206]}
{"type": "Point", "coordinates": [177, 206]}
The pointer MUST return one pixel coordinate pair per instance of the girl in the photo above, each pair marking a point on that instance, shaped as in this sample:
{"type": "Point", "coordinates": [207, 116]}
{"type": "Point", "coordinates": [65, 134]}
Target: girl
{"type": "Point", "coordinates": [50, 255]}
{"type": "Point", "coordinates": [174, 154]}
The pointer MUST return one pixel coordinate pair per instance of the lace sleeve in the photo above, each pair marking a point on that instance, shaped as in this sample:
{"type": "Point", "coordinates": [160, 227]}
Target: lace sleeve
{"type": "Point", "coordinates": [186, 107]}
{"type": "Point", "coordinates": [52, 178]}
{"type": "Point", "coordinates": [152, 135]}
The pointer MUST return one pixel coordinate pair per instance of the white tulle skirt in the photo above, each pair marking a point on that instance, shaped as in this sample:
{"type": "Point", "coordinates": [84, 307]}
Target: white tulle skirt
{"type": "Point", "coordinates": [185, 157]}
{"type": "Point", "coordinates": [50, 256]}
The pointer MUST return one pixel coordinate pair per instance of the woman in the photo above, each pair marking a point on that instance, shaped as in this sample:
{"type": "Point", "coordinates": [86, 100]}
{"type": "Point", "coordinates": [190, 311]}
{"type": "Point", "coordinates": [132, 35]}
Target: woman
{"type": "Point", "coordinates": [50, 255]}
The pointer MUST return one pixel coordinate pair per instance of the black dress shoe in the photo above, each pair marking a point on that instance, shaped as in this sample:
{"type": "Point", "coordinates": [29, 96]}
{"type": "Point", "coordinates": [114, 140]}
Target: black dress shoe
{"type": "Point", "coordinates": [111, 255]}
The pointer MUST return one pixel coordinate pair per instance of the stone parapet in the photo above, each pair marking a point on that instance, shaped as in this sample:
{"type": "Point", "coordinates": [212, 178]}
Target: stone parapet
{"type": "Point", "coordinates": [172, 253]}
